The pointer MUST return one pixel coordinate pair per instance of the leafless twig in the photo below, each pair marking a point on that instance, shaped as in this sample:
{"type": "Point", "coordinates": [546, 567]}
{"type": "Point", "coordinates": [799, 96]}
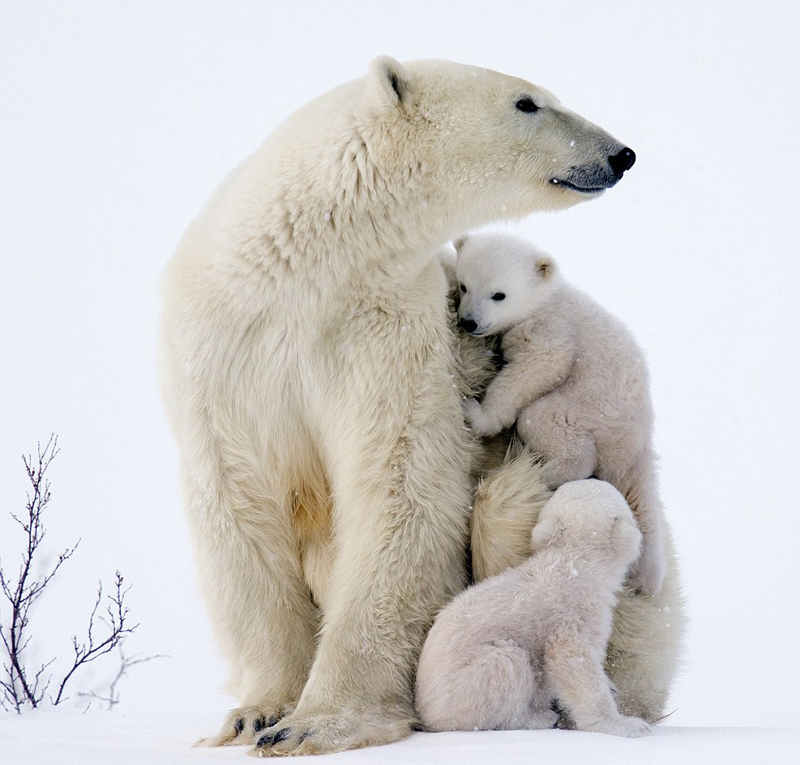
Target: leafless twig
{"type": "Point", "coordinates": [21, 687]}
{"type": "Point", "coordinates": [18, 688]}
{"type": "Point", "coordinates": [87, 652]}
{"type": "Point", "coordinates": [111, 696]}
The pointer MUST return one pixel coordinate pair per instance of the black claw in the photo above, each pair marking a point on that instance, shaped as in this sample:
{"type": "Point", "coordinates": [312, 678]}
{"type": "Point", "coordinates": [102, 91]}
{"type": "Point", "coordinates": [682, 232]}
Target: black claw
{"type": "Point", "coordinates": [265, 740]}
{"type": "Point", "coordinates": [239, 726]}
{"type": "Point", "coordinates": [280, 735]}
{"type": "Point", "coordinates": [272, 721]}
{"type": "Point", "coordinates": [259, 724]}
{"type": "Point", "coordinates": [304, 736]}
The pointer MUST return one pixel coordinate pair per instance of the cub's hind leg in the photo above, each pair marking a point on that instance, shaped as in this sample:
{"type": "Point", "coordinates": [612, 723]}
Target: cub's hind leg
{"type": "Point", "coordinates": [495, 688]}
{"type": "Point", "coordinates": [551, 429]}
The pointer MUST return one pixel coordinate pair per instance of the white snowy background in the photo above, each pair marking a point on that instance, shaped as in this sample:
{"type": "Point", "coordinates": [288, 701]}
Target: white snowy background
{"type": "Point", "coordinates": [117, 121]}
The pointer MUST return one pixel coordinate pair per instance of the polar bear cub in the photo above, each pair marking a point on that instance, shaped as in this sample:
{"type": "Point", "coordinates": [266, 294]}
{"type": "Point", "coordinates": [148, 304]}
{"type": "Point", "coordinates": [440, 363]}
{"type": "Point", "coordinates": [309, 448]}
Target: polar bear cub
{"type": "Point", "coordinates": [574, 381]}
{"type": "Point", "coordinates": [505, 649]}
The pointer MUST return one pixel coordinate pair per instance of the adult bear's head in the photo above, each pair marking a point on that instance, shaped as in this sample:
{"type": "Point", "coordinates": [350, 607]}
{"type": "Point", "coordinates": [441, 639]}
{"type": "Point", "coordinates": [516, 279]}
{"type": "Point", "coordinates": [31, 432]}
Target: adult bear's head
{"type": "Point", "coordinates": [496, 145]}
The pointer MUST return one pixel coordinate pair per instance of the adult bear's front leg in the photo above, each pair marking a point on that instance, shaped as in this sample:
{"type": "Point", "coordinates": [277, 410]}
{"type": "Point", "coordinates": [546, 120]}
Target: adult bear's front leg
{"type": "Point", "coordinates": [401, 503]}
{"type": "Point", "coordinates": [258, 599]}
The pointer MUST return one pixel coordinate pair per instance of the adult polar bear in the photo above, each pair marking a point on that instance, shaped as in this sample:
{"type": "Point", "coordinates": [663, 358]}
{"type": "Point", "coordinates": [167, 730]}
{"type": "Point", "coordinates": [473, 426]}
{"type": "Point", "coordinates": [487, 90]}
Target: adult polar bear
{"type": "Point", "coordinates": [308, 360]}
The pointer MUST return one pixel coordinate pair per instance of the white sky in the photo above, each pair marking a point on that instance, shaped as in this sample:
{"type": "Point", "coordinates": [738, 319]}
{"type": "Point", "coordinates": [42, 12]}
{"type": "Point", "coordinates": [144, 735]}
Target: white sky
{"type": "Point", "coordinates": [118, 120]}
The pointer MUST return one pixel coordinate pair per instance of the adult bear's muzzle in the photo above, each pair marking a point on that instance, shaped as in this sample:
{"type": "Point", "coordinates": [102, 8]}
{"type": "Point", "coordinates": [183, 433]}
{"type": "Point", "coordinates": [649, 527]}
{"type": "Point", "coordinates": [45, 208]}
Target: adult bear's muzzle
{"type": "Point", "coordinates": [593, 178]}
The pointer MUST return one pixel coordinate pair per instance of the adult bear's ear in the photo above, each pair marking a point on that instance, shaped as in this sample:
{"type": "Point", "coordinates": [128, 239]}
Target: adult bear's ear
{"type": "Point", "coordinates": [545, 533]}
{"type": "Point", "coordinates": [388, 83]}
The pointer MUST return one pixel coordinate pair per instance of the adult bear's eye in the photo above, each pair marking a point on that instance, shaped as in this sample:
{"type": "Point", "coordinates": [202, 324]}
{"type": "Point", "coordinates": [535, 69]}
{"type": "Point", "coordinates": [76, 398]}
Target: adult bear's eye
{"type": "Point", "coordinates": [526, 105]}
{"type": "Point", "coordinates": [462, 287]}
{"type": "Point", "coordinates": [498, 296]}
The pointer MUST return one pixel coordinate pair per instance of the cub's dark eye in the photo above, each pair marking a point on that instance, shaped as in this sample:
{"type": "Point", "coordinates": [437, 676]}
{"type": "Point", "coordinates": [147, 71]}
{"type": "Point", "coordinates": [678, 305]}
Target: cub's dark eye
{"type": "Point", "coordinates": [462, 287]}
{"type": "Point", "coordinates": [498, 296]}
{"type": "Point", "coordinates": [526, 105]}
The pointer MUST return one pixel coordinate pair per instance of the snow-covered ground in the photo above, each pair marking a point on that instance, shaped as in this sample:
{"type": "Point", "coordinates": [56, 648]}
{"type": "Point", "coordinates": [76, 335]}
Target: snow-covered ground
{"type": "Point", "coordinates": [117, 121]}
{"type": "Point", "coordinates": [99, 738]}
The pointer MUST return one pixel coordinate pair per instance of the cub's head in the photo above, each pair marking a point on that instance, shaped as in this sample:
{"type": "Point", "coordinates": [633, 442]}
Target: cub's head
{"type": "Point", "coordinates": [590, 518]}
{"type": "Point", "coordinates": [495, 146]}
{"type": "Point", "coordinates": [502, 281]}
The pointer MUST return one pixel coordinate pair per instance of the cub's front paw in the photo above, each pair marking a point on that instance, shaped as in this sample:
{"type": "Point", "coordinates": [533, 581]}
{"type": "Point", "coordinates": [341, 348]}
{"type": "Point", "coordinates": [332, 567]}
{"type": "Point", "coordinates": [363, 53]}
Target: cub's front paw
{"type": "Point", "coordinates": [478, 420]}
{"type": "Point", "coordinates": [303, 733]}
{"type": "Point", "coordinates": [243, 725]}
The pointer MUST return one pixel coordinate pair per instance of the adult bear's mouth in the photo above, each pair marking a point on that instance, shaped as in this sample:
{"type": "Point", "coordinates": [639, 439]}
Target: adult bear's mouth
{"type": "Point", "coordinates": [581, 188]}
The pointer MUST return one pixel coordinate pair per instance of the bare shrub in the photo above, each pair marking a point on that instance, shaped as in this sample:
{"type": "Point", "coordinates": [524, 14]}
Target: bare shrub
{"type": "Point", "coordinates": [21, 686]}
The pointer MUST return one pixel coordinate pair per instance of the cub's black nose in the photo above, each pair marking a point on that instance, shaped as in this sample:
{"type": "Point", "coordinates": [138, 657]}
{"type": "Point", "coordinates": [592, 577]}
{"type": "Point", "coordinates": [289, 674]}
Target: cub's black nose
{"type": "Point", "coordinates": [622, 161]}
{"type": "Point", "coordinates": [468, 325]}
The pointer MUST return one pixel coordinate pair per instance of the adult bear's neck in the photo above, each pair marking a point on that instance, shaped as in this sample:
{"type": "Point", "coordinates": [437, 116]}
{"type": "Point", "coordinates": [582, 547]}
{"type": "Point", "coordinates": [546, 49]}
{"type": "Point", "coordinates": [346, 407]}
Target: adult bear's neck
{"type": "Point", "coordinates": [339, 207]}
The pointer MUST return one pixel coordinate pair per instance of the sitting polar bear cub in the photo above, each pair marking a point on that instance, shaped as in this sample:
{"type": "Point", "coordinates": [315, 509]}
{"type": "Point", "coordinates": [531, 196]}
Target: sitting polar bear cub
{"type": "Point", "coordinates": [504, 650]}
{"type": "Point", "coordinates": [574, 381]}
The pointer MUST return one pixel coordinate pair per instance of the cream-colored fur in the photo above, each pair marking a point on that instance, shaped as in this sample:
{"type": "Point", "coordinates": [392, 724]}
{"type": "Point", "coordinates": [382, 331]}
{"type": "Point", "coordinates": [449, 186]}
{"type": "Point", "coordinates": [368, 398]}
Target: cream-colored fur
{"type": "Point", "coordinates": [504, 650]}
{"type": "Point", "coordinates": [575, 382]}
{"type": "Point", "coordinates": [646, 645]}
{"type": "Point", "coordinates": [311, 380]}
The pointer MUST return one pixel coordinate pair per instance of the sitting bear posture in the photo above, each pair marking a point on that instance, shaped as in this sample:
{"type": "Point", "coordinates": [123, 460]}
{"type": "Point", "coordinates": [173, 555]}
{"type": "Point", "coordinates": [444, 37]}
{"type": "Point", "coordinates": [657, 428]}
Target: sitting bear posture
{"type": "Point", "coordinates": [575, 381]}
{"type": "Point", "coordinates": [504, 650]}
{"type": "Point", "coordinates": [309, 367]}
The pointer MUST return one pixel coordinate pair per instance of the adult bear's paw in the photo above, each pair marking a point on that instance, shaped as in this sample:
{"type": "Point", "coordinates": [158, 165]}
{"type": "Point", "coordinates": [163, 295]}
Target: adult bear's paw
{"type": "Point", "coordinates": [303, 733]}
{"type": "Point", "coordinates": [244, 725]}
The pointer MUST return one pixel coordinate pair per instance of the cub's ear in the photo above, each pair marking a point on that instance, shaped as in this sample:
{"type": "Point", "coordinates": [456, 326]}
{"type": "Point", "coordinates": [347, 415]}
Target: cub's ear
{"type": "Point", "coordinates": [545, 533]}
{"type": "Point", "coordinates": [447, 259]}
{"type": "Point", "coordinates": [388, 82]}
{"type": "Point", "coordinates": [545, 267]}
{"type": "Point", "coordinates": [459, 243]}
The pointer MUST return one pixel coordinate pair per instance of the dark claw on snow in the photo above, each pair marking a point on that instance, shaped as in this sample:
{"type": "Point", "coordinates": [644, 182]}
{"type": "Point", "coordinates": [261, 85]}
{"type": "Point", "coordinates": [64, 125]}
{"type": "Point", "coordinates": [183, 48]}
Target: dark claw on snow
{"type": "Point", "coordinates": [268, 739]}
{"type": "Point", "coordinates": [280, 735]}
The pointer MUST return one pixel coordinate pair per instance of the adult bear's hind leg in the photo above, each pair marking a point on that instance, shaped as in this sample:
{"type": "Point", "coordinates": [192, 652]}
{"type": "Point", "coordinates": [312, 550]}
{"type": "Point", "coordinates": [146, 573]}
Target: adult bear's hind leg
{"type": "Point", "coordinates": [646, 645]}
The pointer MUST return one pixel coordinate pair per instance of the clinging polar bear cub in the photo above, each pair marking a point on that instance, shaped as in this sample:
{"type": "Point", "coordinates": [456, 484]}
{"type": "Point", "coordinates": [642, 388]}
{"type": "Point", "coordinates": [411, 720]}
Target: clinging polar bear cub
{"type": "Point", "coordinates": [308, 361]}
{"type": "Point", "coordinates": [505, 649]}
{"type": "Point", "coordinates": [575, 381]}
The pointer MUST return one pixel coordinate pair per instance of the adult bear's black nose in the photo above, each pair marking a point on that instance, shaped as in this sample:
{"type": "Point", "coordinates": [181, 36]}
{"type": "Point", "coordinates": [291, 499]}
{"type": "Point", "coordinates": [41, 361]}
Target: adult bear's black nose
{"type": "Point", "coordinates": [468, 325]}
{"type": "Point", "coordinates": [622, 161]}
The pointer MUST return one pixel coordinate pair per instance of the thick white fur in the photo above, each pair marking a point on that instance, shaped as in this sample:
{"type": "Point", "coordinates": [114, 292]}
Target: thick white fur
{"type": "Point", "coordinates": [646, 645]}
{"type": "Point", "coordinates": [575, 381]}
{"type": "Point", "coordinates": [645, 649]}
{"type": "Point", "coordinates": [311, 381]}
{"type": "Point", "coordinates": [504, 650]}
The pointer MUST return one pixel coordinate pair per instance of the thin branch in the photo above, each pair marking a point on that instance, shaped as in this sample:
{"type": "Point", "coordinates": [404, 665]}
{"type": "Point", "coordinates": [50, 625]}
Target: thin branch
{"type": "Point", "coordinates": [111, 699]}
{"type": "Point", "coordinates": [88, 652]}
{"type": "Point", "coordinates": [22, 595]}
{"type": "Point", "coordinates": [20, 686]}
